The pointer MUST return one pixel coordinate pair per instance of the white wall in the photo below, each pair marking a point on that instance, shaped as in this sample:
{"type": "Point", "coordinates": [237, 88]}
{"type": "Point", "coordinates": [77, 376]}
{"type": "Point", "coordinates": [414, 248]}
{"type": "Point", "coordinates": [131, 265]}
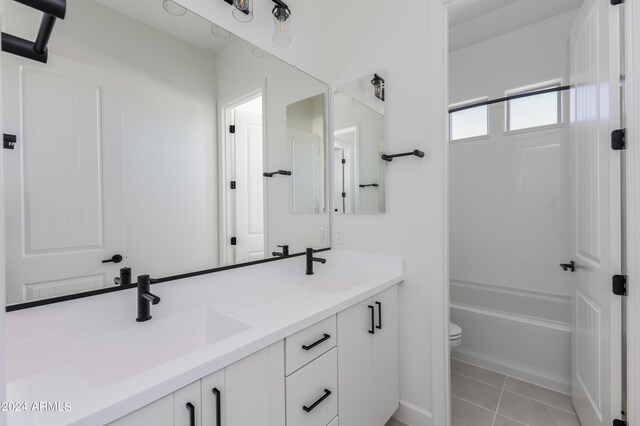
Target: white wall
{"type": "Point", "coordinates": [510, 211]}
{"type": "Point", "coordinates": [169, 131]}
{"type": "Point", "coordinates": [3, 282]}
{"type": "Point", "coordinates": [237, 69]}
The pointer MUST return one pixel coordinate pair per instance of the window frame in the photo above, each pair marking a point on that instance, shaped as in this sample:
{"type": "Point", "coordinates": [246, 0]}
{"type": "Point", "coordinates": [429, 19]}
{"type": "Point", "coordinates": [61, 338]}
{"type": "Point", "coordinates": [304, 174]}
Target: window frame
{"type": "Point", "coordinates": [560, 119]}
{"type": "Point", "coordinates": [464, 103]}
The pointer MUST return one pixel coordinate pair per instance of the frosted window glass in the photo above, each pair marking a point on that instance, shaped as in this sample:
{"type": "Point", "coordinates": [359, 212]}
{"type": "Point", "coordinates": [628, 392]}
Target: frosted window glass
{"type": "Point", "coordinates": [469, 123]}
{"type": "Point", "coordinates": [534, 111]}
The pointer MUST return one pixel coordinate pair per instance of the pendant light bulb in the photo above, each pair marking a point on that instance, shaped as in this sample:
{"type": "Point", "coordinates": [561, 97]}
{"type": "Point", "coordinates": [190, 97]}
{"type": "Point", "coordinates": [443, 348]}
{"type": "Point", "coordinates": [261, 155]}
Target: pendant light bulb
{"type": "Point", "coordinates": [243, 10]}
{"type": "Point", "coordinates": [281, 14]}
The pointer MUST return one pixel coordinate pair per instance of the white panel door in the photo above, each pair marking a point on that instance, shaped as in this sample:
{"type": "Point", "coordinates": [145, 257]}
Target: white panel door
{"type": "Point", "coordinates": [249, 187]}
{"type": "Point", "coordinates": [385, 355]}
{"type": "Point", "coordinates": [596, 341]}
{"type": "Point", "coordinates": [356, 326]}
{"type": "Point", "coordinates": [64, 191]}
{"type": "Point", "coordinates": [308, 172]}
{"type": "Point", "coordinates": [187, 405]}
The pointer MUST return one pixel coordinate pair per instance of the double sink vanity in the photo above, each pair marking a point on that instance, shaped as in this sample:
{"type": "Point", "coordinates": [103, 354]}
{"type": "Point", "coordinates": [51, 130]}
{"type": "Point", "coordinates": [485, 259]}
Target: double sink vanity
{"type": "Point", "coordinates": [260, 345]}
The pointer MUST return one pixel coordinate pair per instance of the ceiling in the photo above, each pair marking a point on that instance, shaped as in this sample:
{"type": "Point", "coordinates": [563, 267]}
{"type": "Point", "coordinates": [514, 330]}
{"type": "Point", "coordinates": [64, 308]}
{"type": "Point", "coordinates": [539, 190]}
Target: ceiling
{"type": "Point", "coordinates": [189, 28]}
{"type": "Point", "coordinates": [485, 19]}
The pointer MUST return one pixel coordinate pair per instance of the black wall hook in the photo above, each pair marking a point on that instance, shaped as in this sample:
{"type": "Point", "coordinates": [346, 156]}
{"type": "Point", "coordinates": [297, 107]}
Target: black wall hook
{"type": "Point", "coordinates": [279, 172]}
{"type": "Point", "coordinates": [415, 152]}
{"type": "Point", "coordinates": [375, 185]}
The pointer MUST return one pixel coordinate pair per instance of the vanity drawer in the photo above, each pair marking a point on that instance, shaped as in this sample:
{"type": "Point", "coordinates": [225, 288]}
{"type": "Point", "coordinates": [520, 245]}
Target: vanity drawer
{"type": "Point", "coordinates": [312, 392]}
{"type": "Point", "coordinates": [308, 344]}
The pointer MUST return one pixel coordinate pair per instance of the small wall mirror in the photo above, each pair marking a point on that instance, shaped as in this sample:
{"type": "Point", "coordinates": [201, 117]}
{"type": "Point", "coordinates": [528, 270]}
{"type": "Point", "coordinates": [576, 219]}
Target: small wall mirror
{"type": "Point", "coordinates": [358, 144]}
{"type": "Point", "coordinates": [157, 140]}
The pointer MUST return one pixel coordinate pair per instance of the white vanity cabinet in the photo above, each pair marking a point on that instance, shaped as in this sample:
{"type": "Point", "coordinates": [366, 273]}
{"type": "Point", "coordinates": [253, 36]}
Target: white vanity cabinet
{"type": "Point", "coordinates": [250, 392]}
{"type": "Point", "coordinates": [342, 370]}
{"type": "Point", "coordinates": [368, 360]}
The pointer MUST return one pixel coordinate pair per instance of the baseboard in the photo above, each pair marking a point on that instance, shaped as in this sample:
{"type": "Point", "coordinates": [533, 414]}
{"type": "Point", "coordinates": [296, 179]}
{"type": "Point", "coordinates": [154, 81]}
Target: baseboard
{"type": "Point", "coordinates": [545, 382]}
{"type": "Point", "coordinates": [412, 415]}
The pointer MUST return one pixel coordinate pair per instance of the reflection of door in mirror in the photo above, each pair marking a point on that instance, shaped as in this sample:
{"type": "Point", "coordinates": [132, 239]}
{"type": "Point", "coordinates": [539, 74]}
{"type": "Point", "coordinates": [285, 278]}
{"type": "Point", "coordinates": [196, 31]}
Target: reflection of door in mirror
{"type": "Point", "coordinates": [65, 206]}
{"type": "Point", "coordinates": [305, 133]}
{"type": "Point", "coordinates": [247, 202]}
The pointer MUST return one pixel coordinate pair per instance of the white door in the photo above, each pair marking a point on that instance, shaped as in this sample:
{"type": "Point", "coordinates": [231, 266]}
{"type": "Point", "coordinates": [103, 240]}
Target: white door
{"type": "Point", "coordinates": [308, 171]}
{"type": "Point", "coordinates": [356, 403]}
{"type": "Point", "coordinates": [249, 186]}
{"type": "Point", "coordinates": [385, 355]}
{"type": "Point", "coordinates": [64, 191]}
{"type": "Point", "coordinates": [596, 341]}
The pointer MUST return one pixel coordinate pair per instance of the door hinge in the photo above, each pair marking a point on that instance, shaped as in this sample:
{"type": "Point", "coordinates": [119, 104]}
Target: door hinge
{"type": "Point", "coordinates": [9, 141]}
{"type": "Point", "coordinates": [616, 2]}
{"type": "Point", "coordinates": [344, 161]}
{"type": "Point", "coordinates": [619, 285]}
{"type": "Point", "coordinates": [619, 139]}
{"type": "Point", "coordinates": [234, 241]}
{"type": "Point", "coordinates": [233, 184]}
{"type": "Point", "coordinates": [232, 128]}
{"type": "Point", "coordinates": [618, 422]}
{"type": "Point", "coordinates": [344, 195]}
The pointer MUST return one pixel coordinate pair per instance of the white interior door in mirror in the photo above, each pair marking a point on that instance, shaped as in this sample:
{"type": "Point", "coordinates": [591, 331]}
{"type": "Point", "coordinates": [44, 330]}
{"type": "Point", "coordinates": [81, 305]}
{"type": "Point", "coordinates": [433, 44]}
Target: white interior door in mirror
{"type": "Point", "coordinates": [249, 183]}
{"type": "Point", "coordinates": [308, 171]}
{"type": "Point", "coordinates": [64, 181]}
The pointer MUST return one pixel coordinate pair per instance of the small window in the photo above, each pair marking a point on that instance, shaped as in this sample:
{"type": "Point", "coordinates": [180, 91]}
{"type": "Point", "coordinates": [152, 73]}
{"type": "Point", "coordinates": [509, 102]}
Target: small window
{"type": "Point", "coordinates": [534, 111]}
{"type": "Point", "coordinates": [468, 123]}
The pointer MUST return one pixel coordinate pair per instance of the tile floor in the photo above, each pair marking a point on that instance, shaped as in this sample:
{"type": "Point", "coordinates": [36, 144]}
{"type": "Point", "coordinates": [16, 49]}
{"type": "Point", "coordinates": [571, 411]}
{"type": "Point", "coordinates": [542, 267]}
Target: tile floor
{"type": "Point", "coordinates": [481, 397]}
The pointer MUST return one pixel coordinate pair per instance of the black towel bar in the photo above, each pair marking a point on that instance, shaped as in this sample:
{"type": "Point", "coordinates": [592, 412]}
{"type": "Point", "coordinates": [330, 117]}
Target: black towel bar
{"type": "Point", "coordinates": [415, 152]}
{"type": "Point", "coordinates": [279, 172]}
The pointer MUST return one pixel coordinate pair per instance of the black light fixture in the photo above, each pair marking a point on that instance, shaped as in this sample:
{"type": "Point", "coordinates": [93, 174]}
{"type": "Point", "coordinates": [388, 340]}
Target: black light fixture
{"type": "Point", "coordinates": [281, 14]}
{"type": "Point", "coordinates": [243, 10]}
{"type": "Point", "coordinates": [378, 87]}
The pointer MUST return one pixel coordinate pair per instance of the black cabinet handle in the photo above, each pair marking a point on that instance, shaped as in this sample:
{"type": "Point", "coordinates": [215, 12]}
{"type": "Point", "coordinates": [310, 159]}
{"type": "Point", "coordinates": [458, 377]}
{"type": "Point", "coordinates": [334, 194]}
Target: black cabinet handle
{"type": "Point", "coordinates": [115, 259]}
{"type": "Point", "coordinates": [192, 414]}
{"type": "Point", "coordinates": [216, 392]}
{"type": "Point", "coordinates": [379, 326]}
{"type": "Point", "coordinates": [373, 320]}
{"type": "Point", "coordinates": [314, 344]}
{"type": "Point", "coordinates": [327, 392]}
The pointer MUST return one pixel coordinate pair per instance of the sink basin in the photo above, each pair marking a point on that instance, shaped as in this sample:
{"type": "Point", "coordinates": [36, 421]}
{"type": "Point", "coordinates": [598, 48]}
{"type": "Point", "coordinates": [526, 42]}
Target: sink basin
{"type": "Point", "coordinates": [109, 358]}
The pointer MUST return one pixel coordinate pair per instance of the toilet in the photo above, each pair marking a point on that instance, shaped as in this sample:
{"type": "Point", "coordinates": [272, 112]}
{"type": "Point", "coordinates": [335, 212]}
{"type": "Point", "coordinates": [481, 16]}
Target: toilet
{"type": "Point", "coordinates": [455, 335]}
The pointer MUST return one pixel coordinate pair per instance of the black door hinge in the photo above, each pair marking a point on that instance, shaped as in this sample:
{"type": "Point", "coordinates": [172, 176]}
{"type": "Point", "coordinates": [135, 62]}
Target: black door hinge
{"type": "Point", "coordinates": [619, 139]}
{"type": "Point", "coordinates": [233, 184]}
{"type": "Point", "coordinates": [9, 141]}
{"type": "Point", "coordinates": [344, 161]}
{"type": "Point", "coordinates": [618, 422]}
{"type": "Point", "coordinates": [234, 241]}
{"type": "Point", "coordinates": [616, 2]}
{"type": "Point", "coordinates": [232, 128]}
{"type": "Point", "coordinates": [619, 285]}
{"type": "Point", "coordinates": [344, 195]}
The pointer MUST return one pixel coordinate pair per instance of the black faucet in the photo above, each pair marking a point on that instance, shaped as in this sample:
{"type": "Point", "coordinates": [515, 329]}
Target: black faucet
{"type": "Point", "coordinates": [285, 251]}
{"type": "Point", "coordinates": [311, 259]}
{"type": "Point", "coordinates": [125, 277]}
{"type": "Point", "coordinates": [145, 298]}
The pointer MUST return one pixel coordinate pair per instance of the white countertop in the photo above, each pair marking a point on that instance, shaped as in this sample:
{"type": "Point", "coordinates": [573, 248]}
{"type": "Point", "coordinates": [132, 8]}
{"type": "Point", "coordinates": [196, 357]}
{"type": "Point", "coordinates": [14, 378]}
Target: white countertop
{"type": "Point", "coordinates": [92, 354]}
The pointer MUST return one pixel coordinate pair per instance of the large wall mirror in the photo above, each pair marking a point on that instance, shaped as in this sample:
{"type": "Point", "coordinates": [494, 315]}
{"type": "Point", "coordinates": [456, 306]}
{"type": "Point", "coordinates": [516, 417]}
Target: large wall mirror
{"type": "Point", "coordinates": [358, 146]}
{"type": "Point", "coordinates": [156, 140]}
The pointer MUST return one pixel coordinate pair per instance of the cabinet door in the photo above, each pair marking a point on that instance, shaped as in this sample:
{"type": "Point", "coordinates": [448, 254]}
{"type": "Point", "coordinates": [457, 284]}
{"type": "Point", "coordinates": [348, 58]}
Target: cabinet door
{"type": "Point", "coordinates": [187, 406]}
{"type": "Point", "coordinates": [355, 365]}
{"type": "Point", "coordinates": [386, 388]}
{"type": "Point", "coordinates": [158, 413]}
{"type": "Point", "coordinates": [213, 399]}
{"type": "Point", "coordinates": [254, 389]}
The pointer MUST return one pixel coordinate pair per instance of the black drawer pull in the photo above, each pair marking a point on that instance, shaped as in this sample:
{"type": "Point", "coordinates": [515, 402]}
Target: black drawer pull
{"type": "Point", "coordinates": [327, 392]}
{"type": "Point", "coordinates": [192, 414]}
{"type": "Point", "coordinates": [314, 344]}
{"type": "Point", "coordinates": [379, 326]}
{"type": "Point", "coordinates": [373, 320]}
{"type": "Point", "coordinates": [216, 392]}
